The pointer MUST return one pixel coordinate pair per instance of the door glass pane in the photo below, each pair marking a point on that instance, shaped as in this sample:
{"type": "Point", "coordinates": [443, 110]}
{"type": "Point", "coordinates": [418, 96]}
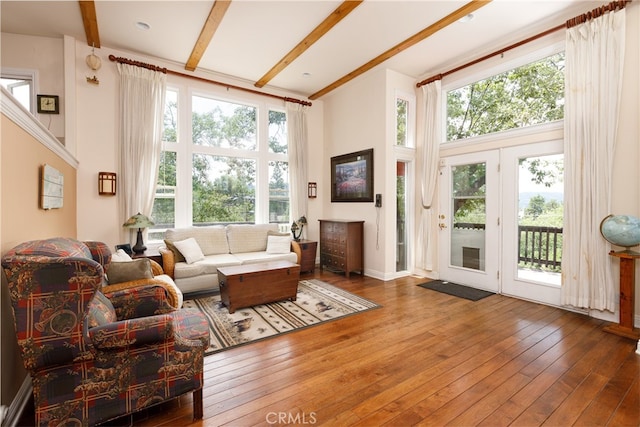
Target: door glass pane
{"type": "Point", "coordinates": [468, 203]}
{"type": "Point", "coordinates": [540, 214]}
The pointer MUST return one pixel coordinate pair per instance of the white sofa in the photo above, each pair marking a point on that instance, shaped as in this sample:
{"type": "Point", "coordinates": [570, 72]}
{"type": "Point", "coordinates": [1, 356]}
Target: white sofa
{"type": "Point", "coordinates": [222, 246]}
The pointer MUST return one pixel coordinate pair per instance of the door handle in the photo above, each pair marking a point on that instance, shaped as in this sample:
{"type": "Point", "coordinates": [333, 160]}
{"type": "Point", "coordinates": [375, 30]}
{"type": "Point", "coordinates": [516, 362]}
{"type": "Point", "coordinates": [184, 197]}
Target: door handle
{"type": "Point", "coordinates": [442, 225]}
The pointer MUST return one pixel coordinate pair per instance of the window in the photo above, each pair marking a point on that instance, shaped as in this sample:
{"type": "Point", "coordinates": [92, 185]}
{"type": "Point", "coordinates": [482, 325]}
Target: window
{"type": "Point", "coordinates": [524, 96]}
{"type": "Point", "coordinates": [224, 168]}
{"type": "Point", "coordinates": [401, 121]}
{"type": "Point", "coordinates": [20, 86]}
{"type": "Point", "coordinates": [164, 205]}
{"type": "Point", "coordinates": [405, 119]}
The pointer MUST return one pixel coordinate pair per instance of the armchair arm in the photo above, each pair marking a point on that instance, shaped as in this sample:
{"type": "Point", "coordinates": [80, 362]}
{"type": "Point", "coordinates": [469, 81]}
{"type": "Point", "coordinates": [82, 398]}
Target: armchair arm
{"type": "Point", "coordinates": [133, 332]}
{"type": "Point", "coordinates": [168, 262]}
{"type": "Point", "coordinates": [295, 247]}
{"type": "Point", "coordinates": [141, 301]}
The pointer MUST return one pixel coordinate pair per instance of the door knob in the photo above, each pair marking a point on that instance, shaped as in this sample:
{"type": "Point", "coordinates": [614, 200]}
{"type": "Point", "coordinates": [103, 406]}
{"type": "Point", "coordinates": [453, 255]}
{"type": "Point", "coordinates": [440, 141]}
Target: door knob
{"type": "Point", "coordinates": [442, 225]}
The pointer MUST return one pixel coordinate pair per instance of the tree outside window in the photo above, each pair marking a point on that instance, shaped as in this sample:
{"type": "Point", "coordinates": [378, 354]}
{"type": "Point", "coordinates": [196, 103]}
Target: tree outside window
{"type": "Point", "coordinates": [525, 96]}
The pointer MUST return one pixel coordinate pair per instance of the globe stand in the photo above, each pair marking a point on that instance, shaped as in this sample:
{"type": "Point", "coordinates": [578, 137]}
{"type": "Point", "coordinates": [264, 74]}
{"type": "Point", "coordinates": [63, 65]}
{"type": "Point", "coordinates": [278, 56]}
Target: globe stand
{"type": "Point", "coordinates": [627, 283]}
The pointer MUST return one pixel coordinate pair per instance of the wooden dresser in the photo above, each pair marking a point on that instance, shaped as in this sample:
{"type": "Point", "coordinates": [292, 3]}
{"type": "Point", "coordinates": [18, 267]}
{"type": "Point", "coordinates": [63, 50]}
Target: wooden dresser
{"type": "Point", "coordinates": [341, 245]}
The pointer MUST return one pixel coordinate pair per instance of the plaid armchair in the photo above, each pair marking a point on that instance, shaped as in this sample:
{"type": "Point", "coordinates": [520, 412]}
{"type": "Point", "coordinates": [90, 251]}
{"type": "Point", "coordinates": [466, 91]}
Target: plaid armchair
{"type": "Point", "coordinates": [93, 357]}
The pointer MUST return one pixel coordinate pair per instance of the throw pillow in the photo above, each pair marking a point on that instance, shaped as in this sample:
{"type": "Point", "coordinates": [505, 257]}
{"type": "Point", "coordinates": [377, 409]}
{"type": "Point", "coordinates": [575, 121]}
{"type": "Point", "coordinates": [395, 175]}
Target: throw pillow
{"type": "Point", "coordinates": [119, 272]}
{"type": "Point", "coordinates": [190, 249]}
{"type": "Point", "coordinates": [120, 256]}
{"type": "Point", "coordinates": [177, 255]}
{"type": "Point", "coordinates": [278, 244]}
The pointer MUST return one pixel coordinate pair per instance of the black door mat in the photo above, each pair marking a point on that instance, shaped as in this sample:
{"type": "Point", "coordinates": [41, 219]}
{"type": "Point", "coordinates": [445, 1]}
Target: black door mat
{"type": "Point", "coordinates": [456, 290]}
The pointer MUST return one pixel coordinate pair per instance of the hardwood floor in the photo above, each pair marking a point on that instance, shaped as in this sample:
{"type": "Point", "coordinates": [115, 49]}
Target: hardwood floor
{"type": "Point", "coordinates": [424, 358]}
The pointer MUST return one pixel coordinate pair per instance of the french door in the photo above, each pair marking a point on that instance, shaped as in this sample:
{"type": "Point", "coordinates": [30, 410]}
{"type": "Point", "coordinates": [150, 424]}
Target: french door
{"type": "Point", "coordinates": [469, 236]}
{"type": "Point", "coordinates": [500, 220]}
{"type": "Point", "coordinates": [532, 211]}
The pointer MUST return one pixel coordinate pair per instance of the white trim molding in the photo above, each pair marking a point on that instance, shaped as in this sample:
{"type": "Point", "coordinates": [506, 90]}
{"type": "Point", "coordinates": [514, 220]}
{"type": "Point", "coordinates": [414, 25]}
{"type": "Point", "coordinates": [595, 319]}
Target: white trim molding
{"type": "Point", "coordinates": [23, 118]}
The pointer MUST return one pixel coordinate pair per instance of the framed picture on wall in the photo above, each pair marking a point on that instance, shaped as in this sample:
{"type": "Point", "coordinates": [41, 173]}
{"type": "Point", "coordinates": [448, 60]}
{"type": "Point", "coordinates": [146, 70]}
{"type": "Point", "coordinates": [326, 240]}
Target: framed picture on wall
{"type": "Point", "coordinates": [352, 177]}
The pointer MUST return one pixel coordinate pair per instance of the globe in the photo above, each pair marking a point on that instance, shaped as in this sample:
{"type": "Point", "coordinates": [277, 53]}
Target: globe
{"type": "Point", "coordinates": [621, 230]}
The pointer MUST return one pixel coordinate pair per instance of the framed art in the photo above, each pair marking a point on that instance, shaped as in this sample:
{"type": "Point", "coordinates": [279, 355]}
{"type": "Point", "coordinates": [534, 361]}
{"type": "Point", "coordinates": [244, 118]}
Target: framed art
{"type": "Point", "coordinates": [352, 177]}
{"type": "Point", "coordinates": [48, 104]}
{"type": "Point", "coordinates": [51, 188]}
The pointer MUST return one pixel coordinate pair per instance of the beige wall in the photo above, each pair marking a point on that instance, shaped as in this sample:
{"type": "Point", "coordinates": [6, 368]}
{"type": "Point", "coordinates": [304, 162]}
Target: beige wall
{"type": "Point", "coordinates": [21, 219]}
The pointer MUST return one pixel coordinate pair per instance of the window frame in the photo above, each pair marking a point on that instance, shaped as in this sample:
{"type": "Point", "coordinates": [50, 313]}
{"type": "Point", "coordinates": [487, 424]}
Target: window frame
{"type": "Point", "coordinates": [24, 74]}
{"type": "Point", "coordinates": [410, 98]}
{"type": "Point", "coordinates": [480, 72]}
{"type": "Point", "coordinates": [185, 149]}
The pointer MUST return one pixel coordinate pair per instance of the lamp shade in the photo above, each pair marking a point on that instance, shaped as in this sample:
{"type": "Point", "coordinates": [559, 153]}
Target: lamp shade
{"type": "Point", "coordinates": [138, 221]}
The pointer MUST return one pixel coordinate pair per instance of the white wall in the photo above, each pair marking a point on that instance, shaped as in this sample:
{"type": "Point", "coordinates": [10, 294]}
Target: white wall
{"type": "Point", "coordinates": [355, 120]}
{"type": "Point", "coordinates": [44, 55]}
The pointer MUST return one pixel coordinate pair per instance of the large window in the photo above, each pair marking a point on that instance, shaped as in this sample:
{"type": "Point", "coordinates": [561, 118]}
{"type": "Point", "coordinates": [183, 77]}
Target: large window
{"type": "Point", "coordinates": [229, 166]}
{"type": "Point", "coordinates": [528, 95]}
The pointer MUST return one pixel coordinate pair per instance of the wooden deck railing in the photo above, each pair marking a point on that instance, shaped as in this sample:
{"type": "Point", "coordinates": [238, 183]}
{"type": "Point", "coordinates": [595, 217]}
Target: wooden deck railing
{"type": "Point", "coordinates": [539, 246]}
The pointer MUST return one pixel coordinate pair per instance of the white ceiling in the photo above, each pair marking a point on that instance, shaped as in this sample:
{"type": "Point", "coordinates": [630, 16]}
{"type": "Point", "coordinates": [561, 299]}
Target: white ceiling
{"type": "Point", "coordinates": [254, 35]}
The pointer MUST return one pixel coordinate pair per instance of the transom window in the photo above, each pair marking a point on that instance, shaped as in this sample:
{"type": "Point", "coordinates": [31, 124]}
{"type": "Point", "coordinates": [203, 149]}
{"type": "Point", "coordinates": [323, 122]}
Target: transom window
{"type": "Point", "coordinates": [524, 96]}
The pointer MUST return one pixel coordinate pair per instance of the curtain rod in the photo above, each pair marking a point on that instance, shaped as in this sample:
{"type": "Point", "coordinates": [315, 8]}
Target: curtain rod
{"type": "Point", "coordinates": [202, 79]}
{"type": "Point", "coordinates": [577, 20]}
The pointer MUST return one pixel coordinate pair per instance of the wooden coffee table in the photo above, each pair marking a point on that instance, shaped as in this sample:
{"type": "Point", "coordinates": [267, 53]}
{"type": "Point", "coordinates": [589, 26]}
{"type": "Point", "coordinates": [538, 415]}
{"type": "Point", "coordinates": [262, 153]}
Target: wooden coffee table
{"type": "Point", "coordinates": [252, 284]}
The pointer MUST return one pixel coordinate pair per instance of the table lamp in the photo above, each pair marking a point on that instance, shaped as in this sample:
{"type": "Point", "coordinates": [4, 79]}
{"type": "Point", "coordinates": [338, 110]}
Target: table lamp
{"type": "Point", "coordinates": [297, 226]}
{"type": "Point", "coordinates": [138, 221]}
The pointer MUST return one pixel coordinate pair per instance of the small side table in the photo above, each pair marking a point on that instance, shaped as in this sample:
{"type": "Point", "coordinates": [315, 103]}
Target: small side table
{"type": "Point", "coordinates": [627, 283]}
{"type": "Point", "coordinates": [306, 249]}
{"type": "Point", "coordinates": [153, 253]}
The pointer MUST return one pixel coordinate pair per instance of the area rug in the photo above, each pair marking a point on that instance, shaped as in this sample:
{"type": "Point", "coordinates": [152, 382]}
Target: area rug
{"type": "Point", "coordinates": [317, 302]}
{"type": "Point", "coordinates": [456, 290]}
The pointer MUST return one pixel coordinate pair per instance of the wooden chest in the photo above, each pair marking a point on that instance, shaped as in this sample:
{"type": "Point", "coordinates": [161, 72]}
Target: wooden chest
{"type": "Point", "coordinates": [254, 284]}
{"type": "Point", "coordinates": [341, 245]}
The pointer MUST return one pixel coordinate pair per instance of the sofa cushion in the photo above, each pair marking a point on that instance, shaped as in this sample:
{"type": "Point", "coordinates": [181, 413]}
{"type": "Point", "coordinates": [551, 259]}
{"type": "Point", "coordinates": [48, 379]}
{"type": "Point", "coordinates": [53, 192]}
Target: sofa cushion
{"type": "Point", "coordinates": [190, 249]}
{"type": "Point", "coordinates": [263, 256]}
{"type": "Point", "coordinates": [118, 272]}
{"type": "Point", "coordinates": [248, 237]}
{"type": "Point", "coordinates": [211, 239]}
{"type": "Point", "coordinates": [209, 265]}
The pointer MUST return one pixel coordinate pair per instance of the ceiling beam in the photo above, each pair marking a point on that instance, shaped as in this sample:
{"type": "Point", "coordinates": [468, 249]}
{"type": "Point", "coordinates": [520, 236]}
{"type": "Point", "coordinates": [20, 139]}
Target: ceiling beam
{"type": "Point", "coordinates": [416, 38]}
{"type": "Point", "coordinates": [323, 28]}
{"type": "Point", "coordinates": [218, 10]}
{"type": "Point", "coordinates": [90, 22]}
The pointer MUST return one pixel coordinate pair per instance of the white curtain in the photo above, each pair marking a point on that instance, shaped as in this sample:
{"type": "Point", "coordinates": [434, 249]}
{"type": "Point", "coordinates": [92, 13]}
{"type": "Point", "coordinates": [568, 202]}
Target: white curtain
{"type": "Point", "coordinates": [432, 136]}
{"type": "Point", "coordinates": [297, 144]}
{"type": "Point", "coordinates": [594, 63]}
{"type": "Point", "coordinates": [142, 94]}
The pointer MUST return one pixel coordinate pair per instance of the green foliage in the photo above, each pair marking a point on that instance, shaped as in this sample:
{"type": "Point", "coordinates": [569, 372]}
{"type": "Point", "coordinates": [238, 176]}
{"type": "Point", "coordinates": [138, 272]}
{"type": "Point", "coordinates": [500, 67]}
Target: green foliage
{"type": "Point", "coordinates": [525, 96]}
{"type": "Point", "coordinates": [401, 122]}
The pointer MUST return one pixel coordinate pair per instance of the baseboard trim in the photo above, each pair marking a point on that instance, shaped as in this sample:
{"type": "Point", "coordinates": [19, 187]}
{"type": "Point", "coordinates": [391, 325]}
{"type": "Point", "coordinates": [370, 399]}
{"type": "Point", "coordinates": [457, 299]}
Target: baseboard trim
{"type": "Point", "coordinates": [19, 402]}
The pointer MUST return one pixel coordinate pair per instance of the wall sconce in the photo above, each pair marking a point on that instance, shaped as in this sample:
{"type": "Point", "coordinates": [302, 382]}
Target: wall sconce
{"type": "Point", "coordinates": [107, 183]}
{"type": "Point", "coordinates": [312, 190]}
{"type": "Point", "coordinates": [94, 62]}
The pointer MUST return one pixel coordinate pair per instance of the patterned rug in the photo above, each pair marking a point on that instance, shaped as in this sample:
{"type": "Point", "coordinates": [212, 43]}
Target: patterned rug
{"type": "Point", "coordinates": [317, 302]}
